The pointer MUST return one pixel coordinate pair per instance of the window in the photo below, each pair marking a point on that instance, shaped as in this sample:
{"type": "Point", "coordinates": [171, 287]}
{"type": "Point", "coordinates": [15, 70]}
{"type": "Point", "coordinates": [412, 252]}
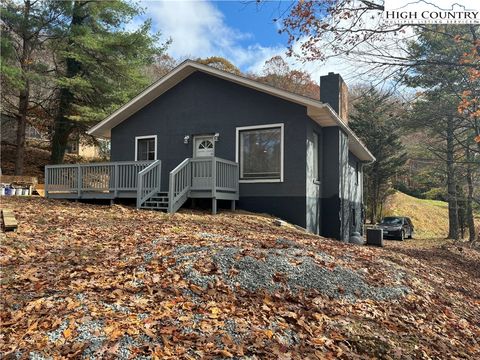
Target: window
{"type": "Point", "coordinates": [146, 148]}
{"type": "Point", "coordinates": [316, 175]}
{"type": "Point", "coordinates": [260, 153]}
{"type": "Point", "coordinates": [206, 144]}
{"type": "Point", "coordinates": [72, 147]}
{"type": "Point", "coordinates": [357, 172]}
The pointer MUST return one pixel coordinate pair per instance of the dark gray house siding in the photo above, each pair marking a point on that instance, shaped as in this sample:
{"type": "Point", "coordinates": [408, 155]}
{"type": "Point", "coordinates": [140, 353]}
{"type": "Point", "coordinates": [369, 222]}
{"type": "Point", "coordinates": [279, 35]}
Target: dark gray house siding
{"type": "Point", "coordinates": [204, 104]}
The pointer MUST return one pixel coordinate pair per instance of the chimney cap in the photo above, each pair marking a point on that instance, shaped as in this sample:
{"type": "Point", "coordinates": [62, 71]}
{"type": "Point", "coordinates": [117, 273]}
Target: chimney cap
{"type": "Point", "coordinates": [331, 73]}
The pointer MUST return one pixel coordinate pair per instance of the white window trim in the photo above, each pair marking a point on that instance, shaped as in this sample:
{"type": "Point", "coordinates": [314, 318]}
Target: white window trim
{"type": "Point", "coordinates": [145, 137]}
{"type": "Point", "coordinates": [282, 144]}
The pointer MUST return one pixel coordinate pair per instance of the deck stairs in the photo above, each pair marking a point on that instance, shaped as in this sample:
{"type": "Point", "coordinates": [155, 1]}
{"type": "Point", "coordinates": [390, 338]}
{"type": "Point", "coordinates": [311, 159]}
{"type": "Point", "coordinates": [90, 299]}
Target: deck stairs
{"type": "Point", "coordinates": [158, 201]}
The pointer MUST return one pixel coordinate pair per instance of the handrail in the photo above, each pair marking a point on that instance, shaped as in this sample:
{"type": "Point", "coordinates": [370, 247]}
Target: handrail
{"type": "Point", "coordinates": [179, 185]}
{"type": "Point", "coordinates": [179, 166]}
{"type": "Point", "coordinates": [226, 161]}
{"type": "Point", "coordinates": [148, 181]}
{"type": "Point", "coordinates": [99, 164]}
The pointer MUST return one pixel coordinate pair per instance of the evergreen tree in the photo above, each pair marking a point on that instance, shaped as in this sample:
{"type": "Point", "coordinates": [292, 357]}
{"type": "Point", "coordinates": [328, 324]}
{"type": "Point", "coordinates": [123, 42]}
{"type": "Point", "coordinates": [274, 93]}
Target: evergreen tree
{"type": "Point", "coordinates": [436, 110]}
{"type": "Point", "coordinates": [372, 120]}
{"type": "Point", "coordinates": [100, 64]}
{"type": "Point", "coordinates": [25, 29]}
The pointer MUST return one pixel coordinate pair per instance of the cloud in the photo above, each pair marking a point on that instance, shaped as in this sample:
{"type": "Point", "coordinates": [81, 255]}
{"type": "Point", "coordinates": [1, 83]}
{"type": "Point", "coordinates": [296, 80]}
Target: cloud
{"type": "Point", "coordinates": [199, 29]}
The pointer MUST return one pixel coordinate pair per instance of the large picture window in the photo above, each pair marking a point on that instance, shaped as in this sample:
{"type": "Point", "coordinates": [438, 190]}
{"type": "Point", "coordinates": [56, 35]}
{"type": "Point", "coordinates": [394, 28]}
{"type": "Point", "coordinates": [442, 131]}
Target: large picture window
{"type": "Point", "coordinates": [146, 148]}
{"type": "Point", "coordinates": [260, 153]}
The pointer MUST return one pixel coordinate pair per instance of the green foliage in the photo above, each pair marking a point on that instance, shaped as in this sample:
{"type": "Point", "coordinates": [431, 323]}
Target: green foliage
{"type": "Point", "coordinates": [442, 74]}
{"type": "Point", "coordinates": [24, 28]}
{"type": "Point", "coordinates": [106, 61]}
{"type": "Point", "coordinates": [372, 122]}
{"type": "Point", "coordinates": [436, 194]}
{"type": "Point", "coordinates": [74, 61]}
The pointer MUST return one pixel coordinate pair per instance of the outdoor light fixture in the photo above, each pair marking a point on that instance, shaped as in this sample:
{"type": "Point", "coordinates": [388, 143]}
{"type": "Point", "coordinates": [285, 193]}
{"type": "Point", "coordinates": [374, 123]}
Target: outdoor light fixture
{"type": "Point", "coordinates": [186, 139]}
{"type": "Point", "coordinates": [216, 136]}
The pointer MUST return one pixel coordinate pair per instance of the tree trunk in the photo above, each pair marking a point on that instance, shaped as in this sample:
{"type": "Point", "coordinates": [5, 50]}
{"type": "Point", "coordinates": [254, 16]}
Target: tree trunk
{"type": "Point", "coordinates": [63, 126]}
{"type": "Point", "coordinates": [451, 183]}
{"type": "Point", "coordinates": [24, 96]}
{"type": "Point", "coordinates": [21, 128]}
{"type": "Point", "coordinates": [61, 133]}
{"type": "Point", "coordinates": [373, 202]}
{"type": "Point", "coordinates": [470, 221]}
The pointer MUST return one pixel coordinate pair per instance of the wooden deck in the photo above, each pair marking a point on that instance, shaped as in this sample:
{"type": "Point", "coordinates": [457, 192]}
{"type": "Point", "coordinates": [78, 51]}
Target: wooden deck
{"type": "Point", "coordinates": [211, 177]}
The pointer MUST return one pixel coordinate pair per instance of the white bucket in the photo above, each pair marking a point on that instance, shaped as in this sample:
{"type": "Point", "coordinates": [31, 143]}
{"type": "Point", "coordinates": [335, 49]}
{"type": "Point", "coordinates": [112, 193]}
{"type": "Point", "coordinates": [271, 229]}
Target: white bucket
{"type": "Point", "coordinates": [25, 192]}
{"type": "Point", "coordinates": [2, 191]}
{"type": "Point", "coordinates": [18, 192]}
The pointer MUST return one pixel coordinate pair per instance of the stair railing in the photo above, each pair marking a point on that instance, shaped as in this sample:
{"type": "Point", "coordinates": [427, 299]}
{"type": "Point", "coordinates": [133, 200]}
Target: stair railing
{"type": "Point", "coordinates": [179, 185]}
{"type": "Point", "coordinates": [148, 182]}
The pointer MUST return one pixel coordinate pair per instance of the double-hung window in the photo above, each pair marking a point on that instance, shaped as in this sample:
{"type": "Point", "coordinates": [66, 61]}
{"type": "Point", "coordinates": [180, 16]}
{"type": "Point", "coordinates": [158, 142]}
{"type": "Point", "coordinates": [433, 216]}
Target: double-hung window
{"type": "Point", "coordinates": [146, 148]}
{"type": "Point", "coordinates": [260, 153]}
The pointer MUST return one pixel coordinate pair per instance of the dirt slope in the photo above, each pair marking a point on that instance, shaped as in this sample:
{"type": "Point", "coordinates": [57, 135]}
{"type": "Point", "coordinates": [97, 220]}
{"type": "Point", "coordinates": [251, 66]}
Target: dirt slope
{"type": "Point", "coordinates": [83, 280]}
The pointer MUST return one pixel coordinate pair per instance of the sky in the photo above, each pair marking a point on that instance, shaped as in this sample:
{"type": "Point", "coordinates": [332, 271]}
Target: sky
{"type": "Point", "coordinates": [241, 31]}
{"type": "Point", "coordinates": [245, 33]}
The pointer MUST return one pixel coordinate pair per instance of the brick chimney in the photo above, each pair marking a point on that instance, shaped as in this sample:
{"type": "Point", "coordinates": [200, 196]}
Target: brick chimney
{"type": "Point", "coordinates": [334, 91]}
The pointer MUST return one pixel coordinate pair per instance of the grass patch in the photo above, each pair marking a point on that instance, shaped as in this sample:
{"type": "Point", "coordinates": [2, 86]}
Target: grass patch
{"type": "Point", "coordinates": [430, 217]}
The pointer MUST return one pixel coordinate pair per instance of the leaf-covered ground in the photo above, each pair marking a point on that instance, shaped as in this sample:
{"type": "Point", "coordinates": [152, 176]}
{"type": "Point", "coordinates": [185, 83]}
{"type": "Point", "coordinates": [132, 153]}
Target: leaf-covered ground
{"type": "Point", "coordinates": [91, 281]}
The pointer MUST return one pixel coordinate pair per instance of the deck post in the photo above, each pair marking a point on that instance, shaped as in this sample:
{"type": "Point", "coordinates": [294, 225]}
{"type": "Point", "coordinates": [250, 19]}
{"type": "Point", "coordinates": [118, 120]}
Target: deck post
{"type": "Point", "coordinates": [79, 181]}
{"type": "Point", "coordinates": [46, 182]}
{"type": "Point", "coordinates": [171, 193]}
{"type": "Point", "coordinates": [233, 205]}
{"type": "Point", "coordinates": [214, 177]}
{"type": "Point", "coordinates": [160, 177]}
{"type": "Point", "coordinates": [214, 206]}
{"type": "Point", "coordinates": [139, 189]}
{"type": "Point", "coordinates": [115, 181]}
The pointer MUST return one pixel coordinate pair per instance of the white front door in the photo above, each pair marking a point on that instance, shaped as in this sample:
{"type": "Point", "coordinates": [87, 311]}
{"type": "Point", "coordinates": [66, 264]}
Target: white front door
{"type": "Point", "coordinates": [203, 146]}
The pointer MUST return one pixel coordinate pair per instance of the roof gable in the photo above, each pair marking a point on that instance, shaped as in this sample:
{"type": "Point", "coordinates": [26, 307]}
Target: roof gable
{"type": "Point", "coordinates": [319, 112]}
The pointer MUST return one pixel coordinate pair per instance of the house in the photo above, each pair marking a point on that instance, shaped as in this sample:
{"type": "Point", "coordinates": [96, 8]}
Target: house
{"type": "Point", "coordinates": [86, 148]}
{"type": "Point", "coordinates": [200, 132]}
{"type": "Point", "coordinates": [8, 126]}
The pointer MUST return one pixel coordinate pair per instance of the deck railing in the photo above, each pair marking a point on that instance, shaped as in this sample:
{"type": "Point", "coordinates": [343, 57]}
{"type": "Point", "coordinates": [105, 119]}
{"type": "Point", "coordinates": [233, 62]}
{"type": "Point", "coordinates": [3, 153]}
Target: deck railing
{"type": "Point", "coordinates": [79, 179]}
{"type": "Point", "coordinates": [209, 174]}
{"type": "Point", "coordinates": [208, 177]}
{"type": "Point", "coordinates": [180, 182]}
{"type": "Point", "coordinates": [149, 180]}
{"type": "Point", "coordinates": [226, 174]}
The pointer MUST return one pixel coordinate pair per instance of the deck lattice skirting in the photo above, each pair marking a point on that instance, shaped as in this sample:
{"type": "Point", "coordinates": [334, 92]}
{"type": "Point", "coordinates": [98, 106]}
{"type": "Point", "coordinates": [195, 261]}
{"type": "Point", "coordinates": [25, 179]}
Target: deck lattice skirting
{"type": "Point", "coordinates": [209, 177]}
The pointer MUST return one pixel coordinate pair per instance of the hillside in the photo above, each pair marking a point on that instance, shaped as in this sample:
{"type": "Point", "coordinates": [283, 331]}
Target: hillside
{"type": "Point", "coordinates": [430, 217]}
{"type": "Point", "coordinates": [35, 160]}
{"type": "Point", "coordinates": [92, 281]}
